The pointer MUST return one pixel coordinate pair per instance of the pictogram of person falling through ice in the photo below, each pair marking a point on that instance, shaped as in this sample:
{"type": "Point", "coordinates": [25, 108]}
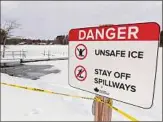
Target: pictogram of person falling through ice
{"type": "Point", "coordinates": [81, 52]}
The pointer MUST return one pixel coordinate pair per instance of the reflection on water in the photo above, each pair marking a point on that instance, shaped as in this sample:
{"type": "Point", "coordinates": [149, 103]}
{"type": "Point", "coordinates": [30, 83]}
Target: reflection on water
{"type": "Point", "coordinates": [33, 72]}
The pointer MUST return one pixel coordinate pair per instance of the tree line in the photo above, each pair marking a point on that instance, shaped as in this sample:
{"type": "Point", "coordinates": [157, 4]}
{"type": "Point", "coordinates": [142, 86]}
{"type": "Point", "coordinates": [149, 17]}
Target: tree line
{"type": "Point", "coordinates": [61, 39]}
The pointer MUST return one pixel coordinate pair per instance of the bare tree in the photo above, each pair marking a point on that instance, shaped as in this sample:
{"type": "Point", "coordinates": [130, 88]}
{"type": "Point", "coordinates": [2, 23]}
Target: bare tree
{"type": "Point", "coordinates": [6, 31]}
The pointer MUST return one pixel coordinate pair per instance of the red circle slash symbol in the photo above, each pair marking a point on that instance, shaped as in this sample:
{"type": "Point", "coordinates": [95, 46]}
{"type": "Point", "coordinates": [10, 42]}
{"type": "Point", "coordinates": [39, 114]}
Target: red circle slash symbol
{"type": "Point", "coordinates": [81, 51]}
{"type": "Point", "coordinates": [80, 73]}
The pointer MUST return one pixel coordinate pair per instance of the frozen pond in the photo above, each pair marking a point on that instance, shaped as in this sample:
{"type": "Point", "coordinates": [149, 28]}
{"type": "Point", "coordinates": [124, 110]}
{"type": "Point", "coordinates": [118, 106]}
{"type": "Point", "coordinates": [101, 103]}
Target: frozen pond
{"type": "Point", "coordinates": [33, 72]}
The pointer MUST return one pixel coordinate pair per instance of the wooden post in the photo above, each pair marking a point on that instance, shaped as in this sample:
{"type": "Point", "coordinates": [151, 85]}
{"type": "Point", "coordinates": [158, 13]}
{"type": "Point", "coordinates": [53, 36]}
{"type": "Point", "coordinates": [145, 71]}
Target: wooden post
{"type": "Point", "coordinates": [4, 46]}
{"type": "Point", "coordinates": [13, 54]}
{"type": "Point", "coordinates": [102, 111]}
{"type": "Point", "coordinates": [20, 54]}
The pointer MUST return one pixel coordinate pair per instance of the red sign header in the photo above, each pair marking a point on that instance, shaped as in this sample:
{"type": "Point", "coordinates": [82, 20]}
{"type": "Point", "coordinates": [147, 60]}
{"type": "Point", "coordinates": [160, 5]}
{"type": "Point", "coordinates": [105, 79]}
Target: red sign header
{"type": "Point", "coordinates": [127, 32]}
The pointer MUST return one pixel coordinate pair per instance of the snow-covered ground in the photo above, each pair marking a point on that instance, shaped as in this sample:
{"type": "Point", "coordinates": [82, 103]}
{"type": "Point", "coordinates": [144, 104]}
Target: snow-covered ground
{"type": "Point", "coordinates": [20, 104]}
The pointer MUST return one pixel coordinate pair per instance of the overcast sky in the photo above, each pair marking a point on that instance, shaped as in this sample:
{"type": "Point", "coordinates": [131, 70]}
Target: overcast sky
{"type": "Point", "coordinates": [47, 19]}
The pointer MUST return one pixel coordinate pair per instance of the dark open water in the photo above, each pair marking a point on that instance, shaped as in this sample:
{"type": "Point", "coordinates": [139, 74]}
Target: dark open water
{"type": "Point", "coordinates": [33, 72]}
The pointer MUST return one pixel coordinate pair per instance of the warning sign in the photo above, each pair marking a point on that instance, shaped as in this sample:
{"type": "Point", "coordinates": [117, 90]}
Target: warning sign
{"type": "Point", "coordinates": [80, 73]}
{"type": "Point", "coordinates": [81, 51]}
{"type": "Point", "coordinates": [121, 61]}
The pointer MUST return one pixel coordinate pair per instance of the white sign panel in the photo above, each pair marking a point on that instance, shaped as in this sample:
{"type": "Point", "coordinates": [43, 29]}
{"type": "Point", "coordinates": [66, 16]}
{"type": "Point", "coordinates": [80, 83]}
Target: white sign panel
{"type": "Point", "coordinates": [117, 61]}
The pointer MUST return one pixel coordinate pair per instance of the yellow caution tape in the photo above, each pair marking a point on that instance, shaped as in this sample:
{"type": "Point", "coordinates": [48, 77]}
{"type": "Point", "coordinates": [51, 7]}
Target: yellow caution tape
{"type": "Point", "coordinates": [45, 91]}
{"type": "Point", "coordinates": [109, 103]}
